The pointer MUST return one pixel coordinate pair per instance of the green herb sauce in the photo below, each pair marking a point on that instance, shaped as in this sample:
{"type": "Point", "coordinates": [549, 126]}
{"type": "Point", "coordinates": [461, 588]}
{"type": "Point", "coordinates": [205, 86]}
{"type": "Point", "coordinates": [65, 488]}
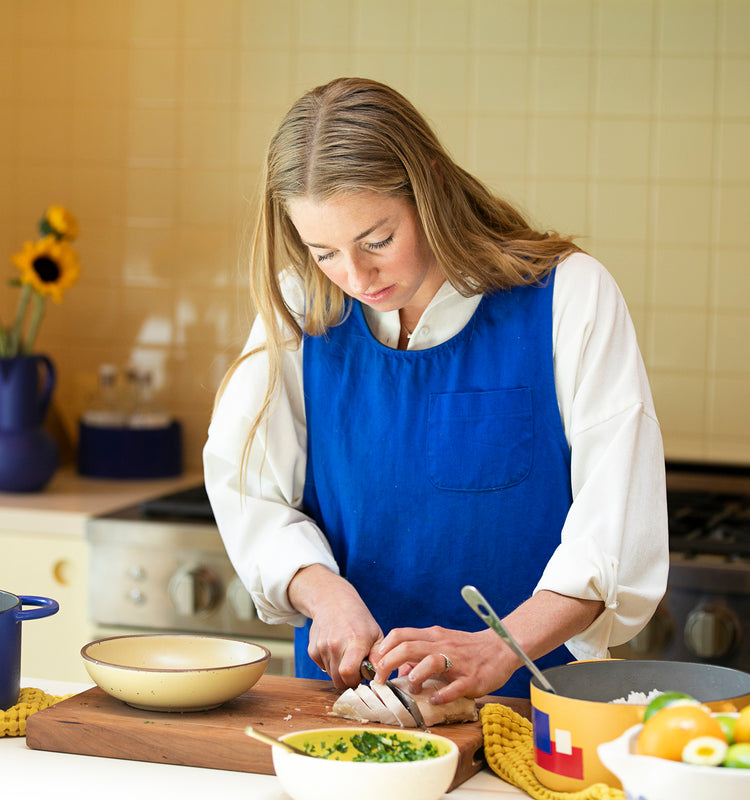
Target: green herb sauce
{"type": "Point", "coordinates": [375, 747]}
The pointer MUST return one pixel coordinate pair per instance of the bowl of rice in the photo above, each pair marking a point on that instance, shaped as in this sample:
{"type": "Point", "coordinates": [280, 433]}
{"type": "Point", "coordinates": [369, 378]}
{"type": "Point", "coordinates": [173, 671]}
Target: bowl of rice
{"type": "Point", "coordinates": [597, 701]}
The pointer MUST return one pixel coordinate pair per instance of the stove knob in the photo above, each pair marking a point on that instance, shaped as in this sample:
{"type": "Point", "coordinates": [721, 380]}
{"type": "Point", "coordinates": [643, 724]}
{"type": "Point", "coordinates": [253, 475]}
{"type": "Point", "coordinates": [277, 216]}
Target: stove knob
{"type": "Point", "coordinates": [711, 631]}
{"type": "Point", "coordinates": [137, 597]}
{"type": "Point", "coordinates": [194, 591]}
{"type": "Point", "coordinates": [240, 600]}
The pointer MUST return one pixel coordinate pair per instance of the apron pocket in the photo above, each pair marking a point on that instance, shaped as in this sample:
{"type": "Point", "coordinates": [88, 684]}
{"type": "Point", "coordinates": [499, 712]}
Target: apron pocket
{"type": "Point", "coordinates": [480, 441]}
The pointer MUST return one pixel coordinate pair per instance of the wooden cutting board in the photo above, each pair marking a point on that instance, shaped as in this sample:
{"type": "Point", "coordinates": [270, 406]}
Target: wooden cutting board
{"type": "Point", "coordinates": [94, 723]}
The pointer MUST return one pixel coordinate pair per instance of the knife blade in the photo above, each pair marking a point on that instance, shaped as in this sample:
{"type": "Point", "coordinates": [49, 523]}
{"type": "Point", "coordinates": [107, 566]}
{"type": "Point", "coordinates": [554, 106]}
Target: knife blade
{"type": "Point", "coordinates": [367, 671]}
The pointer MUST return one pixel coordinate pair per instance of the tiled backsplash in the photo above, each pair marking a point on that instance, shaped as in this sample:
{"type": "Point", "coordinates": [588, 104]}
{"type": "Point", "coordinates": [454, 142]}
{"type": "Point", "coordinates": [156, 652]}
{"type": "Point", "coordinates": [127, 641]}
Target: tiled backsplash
{"type": "Point", "coordinates": [625, 122]}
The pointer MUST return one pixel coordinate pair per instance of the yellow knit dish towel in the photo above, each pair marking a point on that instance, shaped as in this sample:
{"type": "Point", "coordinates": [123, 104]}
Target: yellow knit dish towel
{"type": "Point", "coordinates": [509, 750]}
{"type": "Point", "coordinates": [13, 721]}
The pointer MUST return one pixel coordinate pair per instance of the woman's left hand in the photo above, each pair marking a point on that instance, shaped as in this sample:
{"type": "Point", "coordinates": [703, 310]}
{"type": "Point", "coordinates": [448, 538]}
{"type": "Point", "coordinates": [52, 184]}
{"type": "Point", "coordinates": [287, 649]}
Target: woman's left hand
{"type": "Point", "coordinates": [475, 664]}
{"type": "Point", "coordinates": [480, 663]}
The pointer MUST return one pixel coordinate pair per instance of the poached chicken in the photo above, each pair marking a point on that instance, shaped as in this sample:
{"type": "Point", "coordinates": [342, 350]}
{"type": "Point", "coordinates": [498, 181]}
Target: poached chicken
{"type": "Point", "coordinates": [377, 703]}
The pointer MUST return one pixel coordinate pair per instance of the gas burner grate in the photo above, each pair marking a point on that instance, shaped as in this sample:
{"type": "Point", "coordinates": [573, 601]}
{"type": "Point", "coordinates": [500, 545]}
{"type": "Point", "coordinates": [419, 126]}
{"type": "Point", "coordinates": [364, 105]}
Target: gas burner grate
{"type": "Point", "coordinates": [714, 523]}
{"type": "Point", "coordinates": [188, 504]}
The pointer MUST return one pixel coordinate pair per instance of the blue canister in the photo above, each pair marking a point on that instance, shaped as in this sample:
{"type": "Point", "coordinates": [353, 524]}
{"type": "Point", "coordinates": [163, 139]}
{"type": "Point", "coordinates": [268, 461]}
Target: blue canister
{"type": "Point", "coordinates": [12, 615]}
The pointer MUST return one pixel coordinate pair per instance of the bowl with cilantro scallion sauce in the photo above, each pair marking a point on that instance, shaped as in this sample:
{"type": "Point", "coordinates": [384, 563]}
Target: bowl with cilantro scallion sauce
{"type": "Point", "coordinates": [366, 763]}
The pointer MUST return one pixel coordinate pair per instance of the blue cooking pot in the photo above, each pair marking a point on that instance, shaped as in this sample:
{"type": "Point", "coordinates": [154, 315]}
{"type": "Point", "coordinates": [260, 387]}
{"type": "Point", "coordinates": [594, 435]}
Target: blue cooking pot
{"type": "Point", "coordinates": [11, 616]}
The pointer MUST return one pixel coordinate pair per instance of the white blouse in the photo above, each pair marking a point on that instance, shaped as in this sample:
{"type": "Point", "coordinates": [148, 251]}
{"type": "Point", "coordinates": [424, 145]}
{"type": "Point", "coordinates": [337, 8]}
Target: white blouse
{"type": "Point", "coordinates": [614, 544]}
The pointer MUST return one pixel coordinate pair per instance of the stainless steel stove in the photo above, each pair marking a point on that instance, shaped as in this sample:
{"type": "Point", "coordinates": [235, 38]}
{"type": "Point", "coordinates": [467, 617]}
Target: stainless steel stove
{"type": "Point", "coordinates": [705, 614]}
{"type": "Point", "coordinates": [161, 566]}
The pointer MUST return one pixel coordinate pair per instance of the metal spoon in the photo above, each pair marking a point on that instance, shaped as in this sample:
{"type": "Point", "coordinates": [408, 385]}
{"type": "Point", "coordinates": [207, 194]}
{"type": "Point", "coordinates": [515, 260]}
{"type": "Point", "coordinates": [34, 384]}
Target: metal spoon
{"type": "Point", "coordinates": [266, 739]}
{"type": "Point", "coordinates": [484, 610]}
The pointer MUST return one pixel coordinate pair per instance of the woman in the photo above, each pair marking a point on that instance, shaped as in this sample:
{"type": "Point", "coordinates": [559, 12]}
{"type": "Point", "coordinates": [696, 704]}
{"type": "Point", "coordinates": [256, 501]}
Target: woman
{"type": "Point", "coordinates": [432, 394]}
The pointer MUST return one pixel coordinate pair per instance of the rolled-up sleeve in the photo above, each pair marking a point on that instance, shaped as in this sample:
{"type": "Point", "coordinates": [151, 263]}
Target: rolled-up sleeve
{"type": "Point", "coordinates": [614, 544]}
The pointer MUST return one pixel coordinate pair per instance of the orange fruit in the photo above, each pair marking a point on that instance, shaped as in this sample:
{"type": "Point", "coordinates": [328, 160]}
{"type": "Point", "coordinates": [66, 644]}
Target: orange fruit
{"type": "Point", "coordinates": [723, 707]}
{"type": "Point", "coordinates": [666, 733]}
{"type": "Point", "coordinates": [742, 726]}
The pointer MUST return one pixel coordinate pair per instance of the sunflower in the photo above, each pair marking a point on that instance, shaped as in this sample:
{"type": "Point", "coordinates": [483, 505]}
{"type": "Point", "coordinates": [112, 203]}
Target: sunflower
{"type": "Point", "coordinates": [48, 265]}
{"type": "Point", "coordinates": [59, 222]}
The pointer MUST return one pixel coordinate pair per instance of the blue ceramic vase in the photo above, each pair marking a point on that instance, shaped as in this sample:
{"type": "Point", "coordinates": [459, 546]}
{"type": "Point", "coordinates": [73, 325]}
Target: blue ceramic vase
{"type": "Point", "coordinates": [28, 454]}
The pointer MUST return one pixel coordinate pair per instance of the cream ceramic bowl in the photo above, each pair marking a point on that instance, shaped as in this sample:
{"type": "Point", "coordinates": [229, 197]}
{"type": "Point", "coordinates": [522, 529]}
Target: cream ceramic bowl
{"type": "Point", "coordinates": [306, 778]}
{"type": "Point", "coordinates": [174, 672]}
{"type": "Point", "coordinates": [649, 778]}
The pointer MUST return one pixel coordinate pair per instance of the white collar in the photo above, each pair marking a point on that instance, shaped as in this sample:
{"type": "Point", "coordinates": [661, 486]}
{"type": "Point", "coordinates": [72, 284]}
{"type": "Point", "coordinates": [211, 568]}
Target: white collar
{"type": "Point", "coordinates": [446, 314]}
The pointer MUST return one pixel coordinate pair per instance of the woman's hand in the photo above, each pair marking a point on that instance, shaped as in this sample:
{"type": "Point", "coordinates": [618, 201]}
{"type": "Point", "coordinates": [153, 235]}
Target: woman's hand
{"type": "Point", "coordinates": [481, 662]}
{"type": "Point", "coordinates": [343, 631]}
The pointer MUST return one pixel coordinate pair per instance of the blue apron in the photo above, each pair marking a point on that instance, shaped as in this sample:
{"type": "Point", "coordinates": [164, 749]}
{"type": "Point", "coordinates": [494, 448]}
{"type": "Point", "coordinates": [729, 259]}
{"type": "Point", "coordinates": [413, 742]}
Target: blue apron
{"type": "Point", "coordinates": [432, 469]}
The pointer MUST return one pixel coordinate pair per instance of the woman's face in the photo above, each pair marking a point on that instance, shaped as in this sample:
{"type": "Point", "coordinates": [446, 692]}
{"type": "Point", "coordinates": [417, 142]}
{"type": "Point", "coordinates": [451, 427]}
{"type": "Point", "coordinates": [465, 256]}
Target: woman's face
{"type": "Point", "coordinates": [372, 246]}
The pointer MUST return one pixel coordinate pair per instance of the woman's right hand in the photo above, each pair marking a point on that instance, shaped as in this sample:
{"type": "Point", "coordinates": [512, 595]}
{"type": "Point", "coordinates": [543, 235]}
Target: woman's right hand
{"type": "Point", "coordinates": [343, 631]}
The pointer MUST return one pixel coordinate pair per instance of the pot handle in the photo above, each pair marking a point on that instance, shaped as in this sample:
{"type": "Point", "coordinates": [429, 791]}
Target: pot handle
{"type": "Point", "coordinates": [46, 607]}
{"type": "Point", "coordinates": [45, 393]}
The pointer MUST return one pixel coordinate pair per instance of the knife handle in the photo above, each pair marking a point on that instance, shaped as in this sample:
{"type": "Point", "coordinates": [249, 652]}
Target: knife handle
{"type": "Point", "coordinates": [366, 670]}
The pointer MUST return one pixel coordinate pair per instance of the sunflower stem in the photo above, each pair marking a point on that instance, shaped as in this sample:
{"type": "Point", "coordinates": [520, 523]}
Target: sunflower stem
{"type": "Point", "coordinates": [36, 318]}
{"type": "Point", "coordinates": [15, 331]}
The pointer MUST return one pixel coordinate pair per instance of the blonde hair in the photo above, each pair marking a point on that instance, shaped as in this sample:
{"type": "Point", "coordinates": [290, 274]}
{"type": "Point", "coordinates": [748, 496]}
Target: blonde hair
{"type": "Point", "coordinates": [358, 135]}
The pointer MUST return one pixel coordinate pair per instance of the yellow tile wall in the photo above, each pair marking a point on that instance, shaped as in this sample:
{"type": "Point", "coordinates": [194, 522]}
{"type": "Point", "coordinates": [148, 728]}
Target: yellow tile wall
{"type": "Point", "coordinates": [625, 122]}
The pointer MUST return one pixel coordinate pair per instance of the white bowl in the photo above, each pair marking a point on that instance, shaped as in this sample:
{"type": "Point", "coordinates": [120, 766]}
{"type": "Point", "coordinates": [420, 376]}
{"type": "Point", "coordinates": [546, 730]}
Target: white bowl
{"type": "Point", "coordinates": [174, 672]}
{"type": "Point", "coordinates": [306, 778]}
{"type": "Point", "coordinates": [651, 778]}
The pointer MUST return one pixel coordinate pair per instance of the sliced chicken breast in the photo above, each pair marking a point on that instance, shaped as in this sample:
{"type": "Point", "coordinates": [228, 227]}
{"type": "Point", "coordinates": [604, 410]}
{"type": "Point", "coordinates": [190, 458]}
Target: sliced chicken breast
{"type": "Point", "coordinates": [378, 709]}
{"type": "Point", "coordinates": [350, 706]}
{"type": "Point", "coordinates": [385, 693]}
{"type": "Point", "coordinates": [462, 710]}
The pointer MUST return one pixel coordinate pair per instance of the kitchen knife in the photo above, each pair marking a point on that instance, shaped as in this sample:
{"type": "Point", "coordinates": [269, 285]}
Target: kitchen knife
{"type": "Point", "coordinates": [367, 671]}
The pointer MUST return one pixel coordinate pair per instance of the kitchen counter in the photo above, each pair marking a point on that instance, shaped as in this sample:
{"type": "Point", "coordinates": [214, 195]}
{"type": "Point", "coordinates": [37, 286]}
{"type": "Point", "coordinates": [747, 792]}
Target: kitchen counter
{"type": "Point", "coordinates": [43, 775]}
{"type": "Point", "coordinates": [69, 499]}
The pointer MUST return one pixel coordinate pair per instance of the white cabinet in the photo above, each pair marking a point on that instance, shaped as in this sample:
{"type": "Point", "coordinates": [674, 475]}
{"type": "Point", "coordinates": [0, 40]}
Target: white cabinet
{"type": "Point", "coordinates": [44, 552]}
{"type": "Point", "coordinates": [55, 566]}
